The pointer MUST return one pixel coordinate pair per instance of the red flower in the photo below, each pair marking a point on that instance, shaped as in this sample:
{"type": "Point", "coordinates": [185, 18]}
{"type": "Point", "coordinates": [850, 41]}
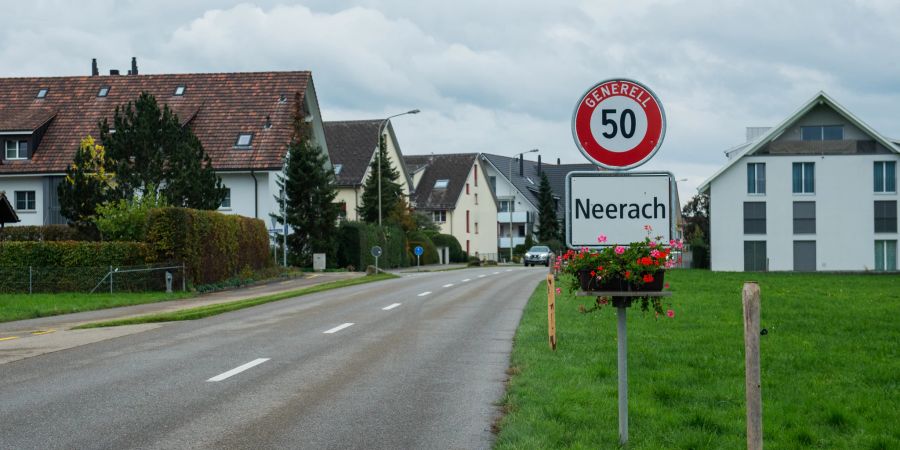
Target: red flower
{"type": "Point", "coordinates": [593, 274]}
{"type": "Point", "coordinates": [670, 313]}
{"type": "Point", "coordinates": [666, 286]}
{"type": "Point", "coordinates": [627, 274]}
{"type": "Point", "coordinates": [648, 278]}
{"type": "Point", "coordinates": [646, 261]}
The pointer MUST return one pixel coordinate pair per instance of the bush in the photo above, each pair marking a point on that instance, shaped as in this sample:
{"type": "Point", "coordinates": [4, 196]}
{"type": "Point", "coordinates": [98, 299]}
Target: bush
{"type": "Point", "coordinates": [43, 233]}
{"type": "Point", "coordinates": [213, 246]}
{"type": "Point", "coordinates": [446, 240]}
{"type": "Point", "coordinates": [126, 220]}
{"type": "Point", "coordinates": [474, 261]}
{"type": "Point", "coordinates": [429, 256]}
{"type": "Point", "coordinates": [699, 256]}
{"type": "Point", "coordinates": [356, 239]}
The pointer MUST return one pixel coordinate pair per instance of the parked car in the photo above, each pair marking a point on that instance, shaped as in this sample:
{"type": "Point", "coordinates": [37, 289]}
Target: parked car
{"type": "Point", "coordinates": [539, 254]}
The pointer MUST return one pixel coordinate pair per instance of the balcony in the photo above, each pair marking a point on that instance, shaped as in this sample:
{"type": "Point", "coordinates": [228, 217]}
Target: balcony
{"type": "Point", "coordinates": [503, 242]}
{"type": "Point", "coordinates": [517, 217]}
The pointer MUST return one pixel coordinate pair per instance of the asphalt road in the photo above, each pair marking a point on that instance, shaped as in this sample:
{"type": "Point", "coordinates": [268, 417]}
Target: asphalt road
{"type": "Point", "coordinates": [421, 366]}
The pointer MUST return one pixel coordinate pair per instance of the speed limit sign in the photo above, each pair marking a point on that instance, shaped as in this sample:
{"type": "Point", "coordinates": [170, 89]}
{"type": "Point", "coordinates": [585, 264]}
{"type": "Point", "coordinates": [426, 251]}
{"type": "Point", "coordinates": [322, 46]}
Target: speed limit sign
{"type": "Point", "coordinates": [619, 124]}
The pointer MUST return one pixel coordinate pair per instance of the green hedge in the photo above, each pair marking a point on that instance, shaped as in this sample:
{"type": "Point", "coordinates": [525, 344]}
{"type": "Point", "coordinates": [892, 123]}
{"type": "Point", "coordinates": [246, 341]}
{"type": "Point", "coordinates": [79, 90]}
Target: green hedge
{"type": "Point", "coordinates": [429, 256]}
{"type": "Point", "coordinates": [457, 254]}
{"type": "Point", "coordinates": [42, 233]}
{"type": "Point", "coordinates": [356, 239]}
{"type": "Point", "coordinates": [214, 246]}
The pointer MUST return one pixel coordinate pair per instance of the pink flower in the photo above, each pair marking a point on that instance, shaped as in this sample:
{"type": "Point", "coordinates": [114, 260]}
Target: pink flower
{"type": "Point", "coordinates": [654, 253]}
{"type": "Point", "coordinates": [648, 228]}
{"type": "Point", "coordinates": [601, 239]}
{"type": "Point", "coordinates": [666, 285]}
{"type": "Point", "coordinates": [558, 290]}
{"type": "Point", "coordinates": [670, 313]}
{"type": "Point", "coordinates": [620, 250]}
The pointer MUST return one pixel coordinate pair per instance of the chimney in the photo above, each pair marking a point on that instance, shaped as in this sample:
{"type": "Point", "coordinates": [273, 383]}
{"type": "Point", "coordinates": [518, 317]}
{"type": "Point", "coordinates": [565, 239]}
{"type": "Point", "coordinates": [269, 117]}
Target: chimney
{"type": "Point", "coordinates": [557, 162]}
{"type": "Point", "coordinates": [539, 164]}
{"type": "Point", "coordinates": [521, 165]}
{"type": "Point", "coordinates": [94, 70]}
{"type": "Point", "coordinates": [133, 66]}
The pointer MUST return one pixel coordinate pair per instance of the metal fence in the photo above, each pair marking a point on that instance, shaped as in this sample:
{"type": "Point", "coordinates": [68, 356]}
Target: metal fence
{"type": "Point", "coordinates": [109, 279]}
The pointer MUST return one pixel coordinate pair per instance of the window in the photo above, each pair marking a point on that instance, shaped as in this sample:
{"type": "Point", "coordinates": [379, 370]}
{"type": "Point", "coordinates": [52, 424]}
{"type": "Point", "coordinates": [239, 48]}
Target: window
{"type": "Point", "coordinates": [476, 227]}
{"type": "Point", "coordinates": [754, 256]}
{"type": "Point", "coordinates": [16, 149]}
{"type": "Point", "coordinates": [804, 256]}
{"type": "Point", "coordinates": [804, 178]}
{"type": "Point", "coordinates": [521, 230]}
{"type": "Point", "coordinates": [756, 178]}
{"type": "Point", "coordinates": [103, 92]}
{"type": "Point", "coordinates": [885, 216]}
{"type": "Point", "coordinates": [493, 182]}
{"type": "Point", "coordinates": [505, 206]}
{"type": "Point", "coordinates": [885, 255]}
{"type": "Point", "coordinates": [342, 210]}
{"type": "Point", "coordinates": [337, 168]}
{"type": "Point", "coordinates": [244, 140]}
{"type": "Point", "coordinates": [439, 216]}
{"type": "Point", "coordinates": [226, 203]}
{"type": "Point", "coordinates": [467, 188]}
{"type": "Point", "coordinates": [476, 198]}
{"type": "Point", "coordinates": [754, 217]}
{"type": "Point", "coordinates": [441, 184]}
{"type": "Point", "coordinates": [476, 175]}
{"type": "Point", "coordinates": [42, 92]}
{"type": "Point", "coordinates": [804, 217]}
{"type": "Point", "coordinates": [179, 90]}
{"type": "Point", "coordinates": [25, 201]}
{"type": "Point", "coordinates": [885, 176]}
{"type": "Point", "coordinates": [822, 133]}
{"type": "Point", "coordinates": [467, 221]}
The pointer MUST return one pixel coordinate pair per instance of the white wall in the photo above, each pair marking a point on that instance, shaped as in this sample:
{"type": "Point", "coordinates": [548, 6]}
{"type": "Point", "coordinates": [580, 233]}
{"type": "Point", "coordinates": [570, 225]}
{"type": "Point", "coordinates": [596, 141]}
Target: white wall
{"type": "Point", "coordinates": [484, 213]}
{"type": "Point", "coordinates": [10, 184]}
{"type": "Point", "coordinates": [844, 212]}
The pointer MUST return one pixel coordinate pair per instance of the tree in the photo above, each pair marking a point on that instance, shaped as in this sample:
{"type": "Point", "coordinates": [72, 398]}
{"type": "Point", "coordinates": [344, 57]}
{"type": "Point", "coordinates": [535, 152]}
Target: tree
{"type": "Point", "coordinates": [149, 149]}
{"type": "Point", "coordinates": [87, 185]}
{"type": "Point", "coordinates": [548, 224]}
{"type": "Point", "coordinates": [696, 219]}
{"type": "Point", "coordinates": [309, 192]}
{"type": "Point", "coordinates": [391, 191]}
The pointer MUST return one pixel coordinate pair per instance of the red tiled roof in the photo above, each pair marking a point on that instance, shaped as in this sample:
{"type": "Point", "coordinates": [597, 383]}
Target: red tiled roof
{"type": "Point", "coordinates": [217, 106]}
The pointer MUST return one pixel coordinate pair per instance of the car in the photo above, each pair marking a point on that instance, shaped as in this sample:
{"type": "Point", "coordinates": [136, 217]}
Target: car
{"type": "Point", "coordinates": [539, 254]}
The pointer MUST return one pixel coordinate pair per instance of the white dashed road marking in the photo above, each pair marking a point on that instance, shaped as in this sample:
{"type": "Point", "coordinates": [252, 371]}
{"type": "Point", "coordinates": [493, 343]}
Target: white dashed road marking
{"type": "Point", "coordinates": [390, 307]}
{"type": "Point", "coordinates": [238, 369]}
{"type": "Point", "coordinates": [481, 276]}
{"type": "Point", "coordinates": [448, 285]}
{"type": "Point", "coordinates": [424, 293]}
{"type": "Point", "coordinates": [466, 280]}
{"type": "Point", "coordinates": [338, 328]}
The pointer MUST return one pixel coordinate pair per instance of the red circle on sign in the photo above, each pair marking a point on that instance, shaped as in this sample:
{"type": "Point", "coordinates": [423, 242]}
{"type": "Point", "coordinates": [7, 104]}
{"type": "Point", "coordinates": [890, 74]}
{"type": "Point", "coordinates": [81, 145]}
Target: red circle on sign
{"type": "Point", "coordinates": [598, 149]}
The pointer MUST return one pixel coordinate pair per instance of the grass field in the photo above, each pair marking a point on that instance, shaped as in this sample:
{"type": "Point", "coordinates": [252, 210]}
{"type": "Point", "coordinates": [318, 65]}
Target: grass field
{"type": "Point", "coordinates": [830, 367]}
{"type": "Point", "coordinates": [24, 306]}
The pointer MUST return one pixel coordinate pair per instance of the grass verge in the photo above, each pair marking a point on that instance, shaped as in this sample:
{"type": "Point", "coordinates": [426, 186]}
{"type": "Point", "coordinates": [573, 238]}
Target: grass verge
{"type": "Point", "coordinates": [25, 306]}
{"type": "Point", "coordinates": [211, 310]}
{"type": "Point", "coordinates": [830, 367]}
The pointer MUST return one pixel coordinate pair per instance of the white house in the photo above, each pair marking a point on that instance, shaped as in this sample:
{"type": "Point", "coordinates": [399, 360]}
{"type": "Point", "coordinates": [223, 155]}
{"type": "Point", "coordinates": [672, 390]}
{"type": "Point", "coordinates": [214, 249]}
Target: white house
{"type": "Point", "coordinates": [243, 121]}
{"type": "Point", "coordinates": [818, 192]}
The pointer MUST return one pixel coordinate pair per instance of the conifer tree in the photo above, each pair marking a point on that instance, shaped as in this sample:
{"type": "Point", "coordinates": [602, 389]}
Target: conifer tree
{"type": "Point", "coordinates": [309, 193]}
{"type": "Point", "coordinates": [391, 191]}
{"type": "Point", "coordinates": [87, 184]}
{"type": "Point", "coordinates": [548, 224]}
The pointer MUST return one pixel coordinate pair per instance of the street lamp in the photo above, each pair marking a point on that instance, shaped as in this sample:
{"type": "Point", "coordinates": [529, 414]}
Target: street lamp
{"type": "Point", "coordinates": [378, 153]}
{"type": "Point", "coordinates": [512, 200]}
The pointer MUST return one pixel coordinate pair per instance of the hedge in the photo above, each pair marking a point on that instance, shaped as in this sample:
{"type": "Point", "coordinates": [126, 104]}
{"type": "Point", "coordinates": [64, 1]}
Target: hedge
{"type": "Point", "coordinates": [429, 256]}
{"type": "Point", "coordinates": [356, 239]}
{"type": "Point", "coordinates": [42, 233]}
{"type": "Point", "coordinates": [213, 246]}
{"type": "Point", "coordinates": [448, 240]}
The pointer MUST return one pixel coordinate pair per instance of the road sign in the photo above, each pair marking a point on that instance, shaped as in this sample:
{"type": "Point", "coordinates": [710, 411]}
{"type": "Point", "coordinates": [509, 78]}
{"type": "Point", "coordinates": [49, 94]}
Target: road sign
{"type": "Point", "coordinates": [419, 250]}
{"type": "Point", "coordinates": [619, 206]}
{"type": "Point", "coordinates": [376, 251]}
{"type": "Point", "coordinates": [618, 124]}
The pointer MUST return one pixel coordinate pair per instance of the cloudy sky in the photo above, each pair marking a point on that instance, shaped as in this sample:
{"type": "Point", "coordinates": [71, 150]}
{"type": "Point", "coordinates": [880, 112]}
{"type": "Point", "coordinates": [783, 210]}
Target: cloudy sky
{"type": "Point", "coordinates": [501, 77]}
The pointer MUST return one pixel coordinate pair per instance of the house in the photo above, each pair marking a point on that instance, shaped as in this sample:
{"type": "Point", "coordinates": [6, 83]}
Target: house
{"type": "Point", "coordinates": [516, 183]}
{"type": "Point", "coordinates": [817, 192]}
{"type": "Point", "coordinates": [353, 144]}
{"type": "Point", "coordinates": [243, 121]}
{"type": "Point", "coordinates": [453, 189]}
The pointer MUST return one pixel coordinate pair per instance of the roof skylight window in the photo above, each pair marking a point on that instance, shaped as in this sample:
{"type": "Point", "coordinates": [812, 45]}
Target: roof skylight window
{"type": "Point", "coordinates": [441, 184]}
{"type": "Point", "coordinates": [337, 168]}
{"type": "Point", "coordinates": [244, 140]}
{"type": "Point", "coordinates": [179, 90]}
{"type": "Point", "coordinates": [529, 180]}
{"type": "Point", "coordinates": [42, 92]}
{"type": "Point", "coordinates": [103, 92]}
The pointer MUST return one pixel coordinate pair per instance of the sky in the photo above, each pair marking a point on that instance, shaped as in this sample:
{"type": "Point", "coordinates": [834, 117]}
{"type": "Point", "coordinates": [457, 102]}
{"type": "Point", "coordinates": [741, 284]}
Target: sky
{"type": "Point", "coordinates": [504, 76]}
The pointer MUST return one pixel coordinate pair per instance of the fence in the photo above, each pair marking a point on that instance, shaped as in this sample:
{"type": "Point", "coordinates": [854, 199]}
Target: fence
{"type": "Point", "coordinates": [109, 279]}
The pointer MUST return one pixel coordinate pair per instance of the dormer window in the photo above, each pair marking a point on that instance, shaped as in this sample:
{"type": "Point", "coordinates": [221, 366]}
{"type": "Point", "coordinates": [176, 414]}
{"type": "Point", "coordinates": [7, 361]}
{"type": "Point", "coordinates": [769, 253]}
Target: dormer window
{"type": "Point", "coordinates": [179, 90]}
{"type": "Point", "coordinates": [16, 149]}
{"type": "Point", "coordinates": [822, 133]}
{"type": "Point", "coordinates": [42, 92]}
{"type": "Point", "coordinates": [441, 184]}
{"type": "Point", "coordinates": [243, 140]}
{"type": "Point", "coordinates": [337, 168]}
{"type": "Point", "coordinates": [103, 92]}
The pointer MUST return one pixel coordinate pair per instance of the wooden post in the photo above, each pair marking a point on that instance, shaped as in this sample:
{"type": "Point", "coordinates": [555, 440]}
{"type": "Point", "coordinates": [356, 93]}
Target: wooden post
{"type": "Point", "coordinates": [551, 310]}
{"type": "Point", "coordinates": [751, 356]}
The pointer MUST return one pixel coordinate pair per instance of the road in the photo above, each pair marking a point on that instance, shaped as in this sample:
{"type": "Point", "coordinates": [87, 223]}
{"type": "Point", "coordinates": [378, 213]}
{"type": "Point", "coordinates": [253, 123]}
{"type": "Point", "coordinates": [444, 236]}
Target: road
{"type": "Point", "coordinates": [421, 366]}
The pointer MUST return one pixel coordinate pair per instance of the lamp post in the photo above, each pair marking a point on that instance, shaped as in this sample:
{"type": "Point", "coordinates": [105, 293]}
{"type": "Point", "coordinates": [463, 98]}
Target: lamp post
{"type": "Point", "coordinates": [509, 208]}
{"type": "Point", "coordinates": [378, 153]}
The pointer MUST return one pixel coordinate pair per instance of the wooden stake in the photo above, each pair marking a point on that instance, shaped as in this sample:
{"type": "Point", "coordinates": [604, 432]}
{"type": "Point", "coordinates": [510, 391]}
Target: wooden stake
{"type": "Point", "coordinates": [551, 310]}
{"type": "Point", "coordinates": [751, 354]}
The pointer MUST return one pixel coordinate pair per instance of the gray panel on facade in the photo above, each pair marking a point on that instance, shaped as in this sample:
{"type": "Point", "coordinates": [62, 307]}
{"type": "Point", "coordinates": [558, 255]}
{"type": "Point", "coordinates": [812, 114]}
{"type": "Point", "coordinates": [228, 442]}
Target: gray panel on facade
{"type": "Point", "coordinates": [754, 217]}
{"type": "Point", "coordinates": [885, 216]}
{"type": "Point", "coordinates": [804, 217]}
{"type": "Point", "coordinates": [754, 256]}
{"type": "Point", "coordinates": [804, 256]}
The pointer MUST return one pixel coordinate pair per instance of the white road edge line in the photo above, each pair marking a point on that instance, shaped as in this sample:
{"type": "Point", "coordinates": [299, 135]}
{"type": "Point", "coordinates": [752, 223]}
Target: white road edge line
{"type": "Point", "coordinates": [237, 370]}
{"type": "Point", "coordinates": [495, 273]}
{"type": "Point", "coordinates": [466, 280]}
{"type": "Point", "coordinates": [338, 328]}
{"type": "Point", "coordinates": [424, 293]}
{"type": "Point", "coordinates": [448, 285]}
{"type": "Point", "coordinates": [390, 307]}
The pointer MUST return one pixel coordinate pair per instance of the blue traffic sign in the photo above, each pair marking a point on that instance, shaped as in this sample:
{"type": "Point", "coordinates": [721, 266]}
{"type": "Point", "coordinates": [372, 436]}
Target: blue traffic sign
{"type": "Point", "coordinates": [419, 250]}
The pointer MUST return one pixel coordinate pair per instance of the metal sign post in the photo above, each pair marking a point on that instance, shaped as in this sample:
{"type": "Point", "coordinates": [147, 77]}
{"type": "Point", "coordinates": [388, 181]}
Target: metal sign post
{"type": "Point", "coordinates": [418, 251]}
{"type": "Point", "coordinates": [376, 252]}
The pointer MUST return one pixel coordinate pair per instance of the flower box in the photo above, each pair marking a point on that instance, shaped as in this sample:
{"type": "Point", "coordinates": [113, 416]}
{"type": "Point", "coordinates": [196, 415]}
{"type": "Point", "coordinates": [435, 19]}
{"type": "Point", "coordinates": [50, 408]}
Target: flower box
{"type": "Point", "coordinates": [617, 284]}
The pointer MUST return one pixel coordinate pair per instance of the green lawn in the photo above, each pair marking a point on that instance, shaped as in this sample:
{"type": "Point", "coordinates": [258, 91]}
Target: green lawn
{"type": "Point", "coordinates": [830, 367]}
{"type": "Point", "coordinates": [24, 306]}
